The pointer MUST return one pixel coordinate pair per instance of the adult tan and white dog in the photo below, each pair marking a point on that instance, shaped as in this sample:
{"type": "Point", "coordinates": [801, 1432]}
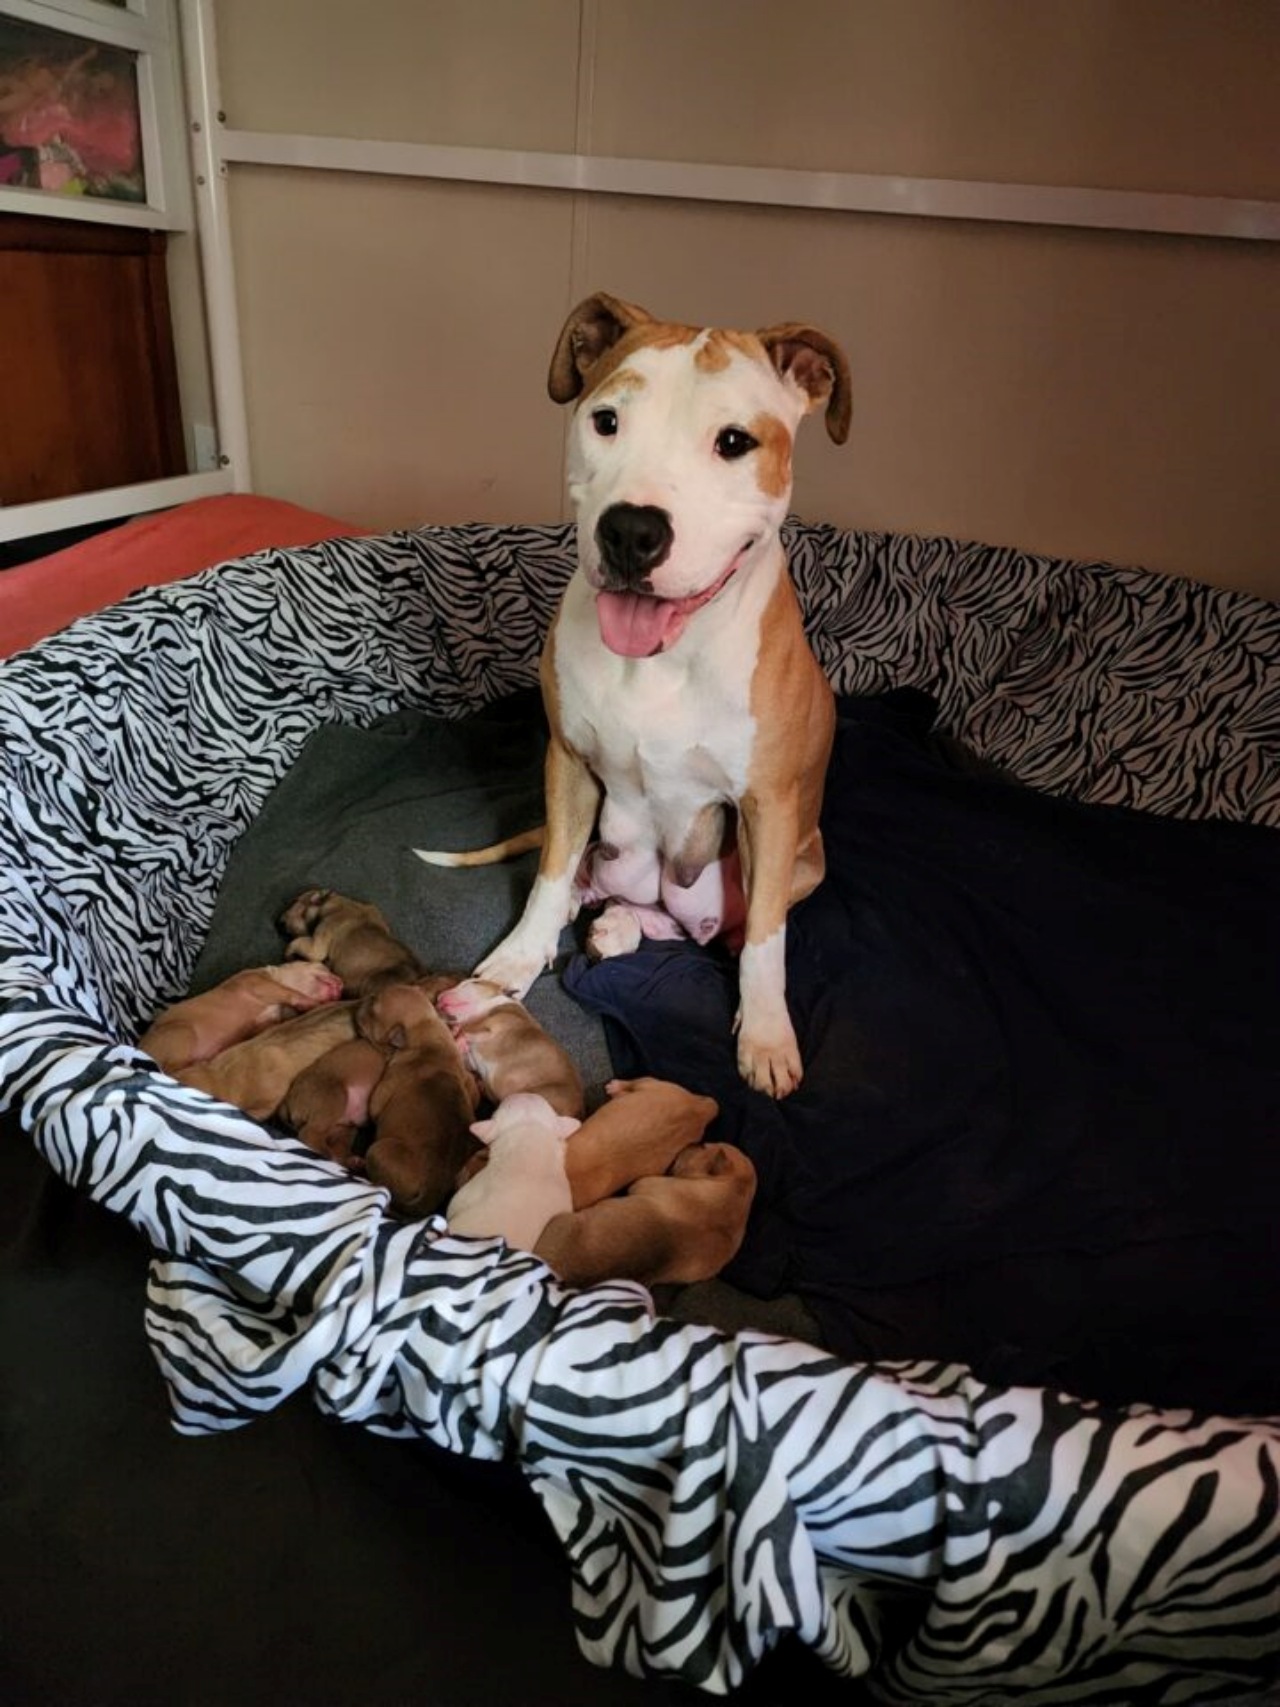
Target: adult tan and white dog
{"type": "Point", "coordinates": [686, 709]}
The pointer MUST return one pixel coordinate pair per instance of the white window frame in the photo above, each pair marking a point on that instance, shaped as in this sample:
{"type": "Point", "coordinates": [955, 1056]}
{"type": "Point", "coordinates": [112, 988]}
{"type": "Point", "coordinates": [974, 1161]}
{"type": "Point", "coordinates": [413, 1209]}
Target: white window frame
{"type": "Point", "coordinates": [154, 30]}
{"type": "Point", "coordinates": [148, 28]}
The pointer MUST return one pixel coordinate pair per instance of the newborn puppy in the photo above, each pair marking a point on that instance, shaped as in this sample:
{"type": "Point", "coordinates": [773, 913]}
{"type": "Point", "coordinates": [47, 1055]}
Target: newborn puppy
{"type": "Point", "coordinates": [524, 1184]}
{"type": "Point", "coordinates": [328, 1103]}
{"type": "Point", "coordinates": [424, 1102]}
{"type": "Point", "coordinates": [255, 1075]}
{"type": "Point", "coordinates": [350, 936]}
{"type": "Point", "coordinates": [507, 1049]}
{"type": "Point", "coordinates": [639, 1131]}
{"type": "Point", "coordinates": [674, 1228]}
{"type": "Point", "coordinates": [239, 1007]}
{"type": "Point", "coordinates": [685, 1213]}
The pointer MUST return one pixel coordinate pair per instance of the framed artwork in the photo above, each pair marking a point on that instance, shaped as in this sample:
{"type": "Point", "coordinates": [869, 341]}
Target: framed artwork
{"type": "Point", "coordinates": [90, 115]}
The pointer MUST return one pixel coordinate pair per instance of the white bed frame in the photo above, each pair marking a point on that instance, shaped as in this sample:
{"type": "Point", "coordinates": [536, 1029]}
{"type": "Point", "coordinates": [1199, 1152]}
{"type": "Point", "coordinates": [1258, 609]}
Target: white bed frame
{"type": "Point", "coordinates": [215, 150]}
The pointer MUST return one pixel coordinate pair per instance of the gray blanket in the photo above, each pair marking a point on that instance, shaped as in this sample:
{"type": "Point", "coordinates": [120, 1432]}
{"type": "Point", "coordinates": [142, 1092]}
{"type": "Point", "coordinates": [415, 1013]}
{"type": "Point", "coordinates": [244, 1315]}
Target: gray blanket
{"type": "Point", "coordinates": [348, 816]}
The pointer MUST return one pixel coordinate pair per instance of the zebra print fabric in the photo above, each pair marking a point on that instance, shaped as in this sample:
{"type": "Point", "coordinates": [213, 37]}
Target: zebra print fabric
{"type": "Point", "coordinates": [954, 1541]}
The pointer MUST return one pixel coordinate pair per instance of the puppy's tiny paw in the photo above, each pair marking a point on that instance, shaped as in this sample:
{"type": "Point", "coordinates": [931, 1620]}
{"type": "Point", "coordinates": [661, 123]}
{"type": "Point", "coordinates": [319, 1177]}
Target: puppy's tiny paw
{"type": "Point", "coordinates": [616, 931]}
{"type": "Point", "coordinates": [310, 980]}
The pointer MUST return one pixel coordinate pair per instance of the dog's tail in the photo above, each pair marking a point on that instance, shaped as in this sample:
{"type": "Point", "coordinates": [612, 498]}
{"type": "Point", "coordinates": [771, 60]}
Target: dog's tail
{"type": "Point", "coordinates": [494, 854]}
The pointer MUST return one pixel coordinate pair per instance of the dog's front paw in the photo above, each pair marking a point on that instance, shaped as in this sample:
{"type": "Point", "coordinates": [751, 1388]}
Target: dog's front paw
{"type": "Point", "coordinates": [770, 1062]}
{"type": "Point", "coordinates": [513, 967]}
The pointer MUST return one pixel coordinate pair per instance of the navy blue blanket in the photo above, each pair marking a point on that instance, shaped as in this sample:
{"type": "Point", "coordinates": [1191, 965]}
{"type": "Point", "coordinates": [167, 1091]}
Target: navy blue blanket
{"type": "Point", "coordinates": [1039, 1129]}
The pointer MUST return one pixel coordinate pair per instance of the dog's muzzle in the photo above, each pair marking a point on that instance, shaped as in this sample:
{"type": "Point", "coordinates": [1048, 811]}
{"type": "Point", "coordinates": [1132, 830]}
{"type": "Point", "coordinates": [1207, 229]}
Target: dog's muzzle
{"type": "Point", "coordinates": [633, 540]}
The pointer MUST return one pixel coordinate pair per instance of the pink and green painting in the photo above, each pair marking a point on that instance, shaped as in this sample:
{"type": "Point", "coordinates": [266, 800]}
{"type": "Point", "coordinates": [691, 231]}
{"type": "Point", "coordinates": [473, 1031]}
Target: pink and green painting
{"type": "Point", "coordinates": [69, 118]}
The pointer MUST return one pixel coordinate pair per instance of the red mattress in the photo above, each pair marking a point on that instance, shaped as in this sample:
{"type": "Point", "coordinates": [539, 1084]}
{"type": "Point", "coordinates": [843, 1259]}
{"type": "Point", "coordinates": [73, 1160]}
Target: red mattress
{"type": "Point", "coordinates": [40, 597]}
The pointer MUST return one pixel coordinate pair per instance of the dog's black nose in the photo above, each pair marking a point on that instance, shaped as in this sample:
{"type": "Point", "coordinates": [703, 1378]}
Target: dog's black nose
{"type": "Point", "coordinates": [633, 540]}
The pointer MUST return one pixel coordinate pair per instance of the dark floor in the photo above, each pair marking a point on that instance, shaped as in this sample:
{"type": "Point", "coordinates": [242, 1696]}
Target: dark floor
{"type": "Point", "coordinates": [295, 1560]}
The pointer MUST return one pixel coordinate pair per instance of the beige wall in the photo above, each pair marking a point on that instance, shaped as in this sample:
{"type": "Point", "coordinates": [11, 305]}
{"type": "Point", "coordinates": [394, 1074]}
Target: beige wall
{"type": "Point", "coordinates": [1084, 393]}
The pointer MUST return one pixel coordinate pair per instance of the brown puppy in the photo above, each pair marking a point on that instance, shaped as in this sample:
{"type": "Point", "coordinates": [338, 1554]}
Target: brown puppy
{"type": "Point", "coordinates": [675, 1228]}
{"type": "Point", "coordinates": [684, 1209]}
{"type": "Point", "coordinates": [640, 1131]}
{"type": "Point", "coordinates": [350, 936]}
{"type": "Point", "coordinates": [423, 1104]}
{"type": "Point", "coordinates": [328, 1103]}
{"type": "Point", "coordinates": [255, 1075]}
{"type": "Point", "coordinates": [507, 1049]}
{"type": "Point", "coordinates": [239, 1007]}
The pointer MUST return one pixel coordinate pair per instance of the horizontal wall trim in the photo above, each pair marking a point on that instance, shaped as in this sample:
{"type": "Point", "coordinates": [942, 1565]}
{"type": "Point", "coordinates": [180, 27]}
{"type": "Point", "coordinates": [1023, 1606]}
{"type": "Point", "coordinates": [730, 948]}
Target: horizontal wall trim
{"type": "Point", "coordinates": [24, 521]}
{"type": "Point", "coordinates": [765, 186]}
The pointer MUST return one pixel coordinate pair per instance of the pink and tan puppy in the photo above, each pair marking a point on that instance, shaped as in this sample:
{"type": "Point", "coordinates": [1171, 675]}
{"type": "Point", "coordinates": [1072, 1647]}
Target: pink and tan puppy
{"type": "Point", "coordinates": [203, 1026]}
{"type": "Point", "coordinates": [683, 1206]}
{"type": "Point", "coordinates": [640, 1130]}
{"type": "Point", "coordinates": [507, 1049]}
{"type": "Point", "coordinates": [524, 1183]}
{"type": "Point", "coordinates": [423, 1104]}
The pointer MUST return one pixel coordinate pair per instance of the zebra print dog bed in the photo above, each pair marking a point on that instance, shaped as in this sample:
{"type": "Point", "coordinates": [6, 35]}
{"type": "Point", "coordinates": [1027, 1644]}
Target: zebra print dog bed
{"type": "Point", "coordinates": [945, 1539]}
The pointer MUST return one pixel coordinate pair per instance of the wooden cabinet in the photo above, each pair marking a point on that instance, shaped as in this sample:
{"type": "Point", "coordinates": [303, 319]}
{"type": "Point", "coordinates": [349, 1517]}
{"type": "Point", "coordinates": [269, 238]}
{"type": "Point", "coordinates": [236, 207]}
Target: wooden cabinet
{"type": "Point", "coordinates": [88, 382]}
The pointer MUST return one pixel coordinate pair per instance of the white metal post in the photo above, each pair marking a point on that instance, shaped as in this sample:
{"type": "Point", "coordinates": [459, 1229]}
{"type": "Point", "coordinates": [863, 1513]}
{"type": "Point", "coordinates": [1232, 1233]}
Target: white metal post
{"type": "Point", "coordinates": [209, 185]}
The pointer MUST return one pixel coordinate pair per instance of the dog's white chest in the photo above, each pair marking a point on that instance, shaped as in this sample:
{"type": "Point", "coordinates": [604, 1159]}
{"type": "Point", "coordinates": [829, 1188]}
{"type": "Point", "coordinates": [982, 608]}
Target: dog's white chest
{"type": "Point", "coordinates": [676, 730]}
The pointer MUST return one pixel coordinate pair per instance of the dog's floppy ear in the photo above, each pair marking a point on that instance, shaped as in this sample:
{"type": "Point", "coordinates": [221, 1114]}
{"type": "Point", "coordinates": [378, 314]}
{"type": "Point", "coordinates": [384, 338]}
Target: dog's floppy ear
{"type": "Point", "coordinates": [818, 366]}
{"type": "Point", "coordinates": [594, 327]}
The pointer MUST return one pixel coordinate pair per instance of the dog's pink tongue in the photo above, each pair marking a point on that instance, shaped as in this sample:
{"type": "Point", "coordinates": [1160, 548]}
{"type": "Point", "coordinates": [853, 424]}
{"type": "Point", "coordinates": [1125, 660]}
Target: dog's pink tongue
{"type": "Point", "coordinates": [636, 626]}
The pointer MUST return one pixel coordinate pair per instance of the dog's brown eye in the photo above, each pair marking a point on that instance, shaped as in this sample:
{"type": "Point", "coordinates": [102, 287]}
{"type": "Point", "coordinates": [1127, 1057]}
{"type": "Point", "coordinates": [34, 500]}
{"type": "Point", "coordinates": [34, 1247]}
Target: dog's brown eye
{"type": "Point", "coordinates": [733, 442]}
{"type": "Point", "coordinates": [605, 422]}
